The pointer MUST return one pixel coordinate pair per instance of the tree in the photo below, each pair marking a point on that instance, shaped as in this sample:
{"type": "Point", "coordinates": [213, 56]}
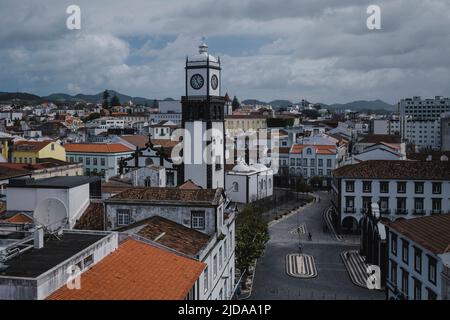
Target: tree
{"type": "Point", "coordinates": [235, 104]}
{"type": "Point", "coordinates": [316, 181]}
{"type": "Point", "coordinates": [105, 99]}
{"type": "Point", "coordinates": [155, 104]}
{"type": "Point", "coordinates": [115, 101]}
{"type": "Point", "coordinates": [92, 116]}
{"type": "Point", "coordinates": [252, 233]}
{"type": "Point", "coordinates": [311, 114]}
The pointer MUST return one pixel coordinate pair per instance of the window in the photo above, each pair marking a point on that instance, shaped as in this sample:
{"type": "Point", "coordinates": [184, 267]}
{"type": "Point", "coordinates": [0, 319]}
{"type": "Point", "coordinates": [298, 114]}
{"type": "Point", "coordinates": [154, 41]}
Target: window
{"type": "Point", "coordinates": [88, 161]}
{"type": "Point", "coordinates": [313, 162]}
{"type": "Point", "coordinates": [394, 244]}
{"type": "Point", "coordinates": [215, 266]}
{"type": "Point", "coordinates": [328, 163]}
{"type": "Point", "coordinates": [367, 202]}
{"type": "Point", "coordinates": [384, 187]}
{"type": "Point", "coordinates": [71, 159]}
{"type": "Point", "coordinates": [417, 290]}
{"type": "Point", "coordinates": [405, 251]}
{"type": "Point", "coordinates": [198, 220]}
{"type": "Point", "coordinates": [320, 162]}
{"type": "Point", "coordinates": [292, 162]}
{"type": "Point", "coordinates": [437, 187]}
{"type": "Point", "coordinates": [205, 280]}
{"type": "Point", "coordinates": [320, 172]}
{"type": "Point", "coordinates": [305, 162]}
{"type": "Point", "coordinates": [123, 217]}
{"type": "Point", "coordinates": [436, 205]}
{"type": "Point", "coordinates": [225, 249]}
{"type": "Point", "coordinates": [418, 260]}
{"type": "Point", "coordinates": [220, 258]}
{"type": "Point", "coordinates": [88, 261]}
{"type": "Point", "coordinates": [393, 273]}
{"type": "Point", "coordinates": [309, 151]}
{"type": "Point", "coordinates": [299, 162]}
{"type": "Point", "coordinates": [52, 147]}
{"type": "Point", "coordinates": [313, 172]}
{"type": "Point", "coordinates": [102, 161]}
{"type": "Point", "coordinates": [95, 161]}
{"type": "Point", "coordinates": [401, 187]}
{"type": "Point", "coordinates": [350, 186]}
{"type": "Point", "coordinates": [432, 270]}
{"type": "Point", "coordinates": [405, 280]}
{"type": "Point", "coordinates": [384, 205]}
{"type": "Point", "coordinates": [367, 186]}
{"type": "Point", "coordinates": [80, 160]}
{"type": "Point", "coordinates": [418, 187]}
{"type": "Point", "coordinates": [349, 204]}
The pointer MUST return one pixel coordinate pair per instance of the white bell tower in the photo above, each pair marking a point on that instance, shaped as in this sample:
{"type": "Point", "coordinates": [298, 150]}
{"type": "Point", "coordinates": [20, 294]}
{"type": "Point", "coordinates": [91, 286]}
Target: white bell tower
{"type": "Point", "coordinates": [203, 121]}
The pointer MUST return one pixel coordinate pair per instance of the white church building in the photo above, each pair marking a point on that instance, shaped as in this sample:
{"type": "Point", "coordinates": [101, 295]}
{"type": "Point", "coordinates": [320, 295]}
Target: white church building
{"type": "Point", "coordinates": [246, 184]}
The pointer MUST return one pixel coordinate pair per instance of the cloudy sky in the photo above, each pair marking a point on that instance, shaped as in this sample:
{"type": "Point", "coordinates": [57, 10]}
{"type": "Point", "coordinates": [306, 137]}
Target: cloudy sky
{"type": "Point", "coordinates": [320, 50]}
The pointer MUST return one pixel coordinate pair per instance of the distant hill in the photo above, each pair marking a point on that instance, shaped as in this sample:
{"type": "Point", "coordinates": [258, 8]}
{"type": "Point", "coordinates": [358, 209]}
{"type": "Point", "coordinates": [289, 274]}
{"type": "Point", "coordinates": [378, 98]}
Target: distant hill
{"type": "Point", "coordinates": [19, 97]}
{"type": "Point", "coordinates": [280, 103]}
{"type": "Point", "coordinates": [253, 102]}
{"type": "Point", "coordinates": [363, 105]}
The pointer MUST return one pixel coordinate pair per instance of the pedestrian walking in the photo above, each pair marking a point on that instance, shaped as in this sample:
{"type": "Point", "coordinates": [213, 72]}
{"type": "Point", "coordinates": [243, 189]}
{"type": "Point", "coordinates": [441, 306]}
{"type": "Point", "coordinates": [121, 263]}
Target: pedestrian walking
{"type": "Point", "coordinates": [309, 236]}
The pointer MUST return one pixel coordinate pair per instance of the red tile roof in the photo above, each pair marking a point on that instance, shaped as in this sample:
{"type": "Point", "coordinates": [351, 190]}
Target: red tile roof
{"type": "Point", "coordinates": [431, 232]}
{"type": "Point", "coordinates": [30, 146]}
{"type": "Point", "coordinates": [396, 169]}
{"type": "Point", "coordinates": [169, 195]}
{"type": "Point", "coordinates": [92, 218]}
{"type": "Point", "coordinates": [320, 149]}
{"type": "Point", "coordinates": [172, 235]}
{"type": "Point", "coordinates": [19, 218]}
{"type": "Point", "coordinates": [136, 140]}
{"type": "Point", "coordinates": [96, 148]}
{"type": "Point", "coordinates": [189, 185]}
{"type": "Point", "coordinates": [136, 271]}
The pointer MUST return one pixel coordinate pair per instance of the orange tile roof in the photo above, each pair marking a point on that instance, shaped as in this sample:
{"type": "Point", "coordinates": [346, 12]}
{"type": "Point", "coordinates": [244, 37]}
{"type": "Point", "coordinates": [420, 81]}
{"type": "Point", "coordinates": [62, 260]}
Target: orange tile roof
{"type": "Point", "coordinates": [31, 146]}
{"type": "Point", "coordinates": [320, 149]}
{"type": "Point", "coordinates": [96, 148]}
{"type": "Point", "coordinates": [136, 271]}
{"type": "Point", "coordinates": [20, 218]}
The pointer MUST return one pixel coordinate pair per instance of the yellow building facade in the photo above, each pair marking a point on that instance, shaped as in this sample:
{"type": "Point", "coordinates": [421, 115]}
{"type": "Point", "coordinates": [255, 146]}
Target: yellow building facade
{"type": "Point", "coordinates": [30, 151]}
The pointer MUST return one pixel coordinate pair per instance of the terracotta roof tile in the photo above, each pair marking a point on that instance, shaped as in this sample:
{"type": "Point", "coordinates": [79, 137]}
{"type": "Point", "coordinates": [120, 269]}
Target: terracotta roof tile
{"type": "Point", "coordinates": [396, 169]}
{"type": "Point", "coordinates": [320, 149]}
{"type": "Point", "coordinates": [169, 195]}
{"type": "Point", "coordinates": [174, 235]}
{"type": "Point", "coordinates": [378, 138]}
{"type": "Point", "coordinates": [30, 146]}
{"type": "Point", "coordinates": [136, 271]}
{"type": "Point", "coordinates": [20, 218]}
{"type": "Point", "coordinates": [96, 148]}
{"type": "Point", "coordinates": [189, 185]}
{"type": "Point", "coordinates": [431, 232]}
{"type": "Point", "coordinates": [136, 140]}
{"type": "Point", "coordinates": [92, 218]}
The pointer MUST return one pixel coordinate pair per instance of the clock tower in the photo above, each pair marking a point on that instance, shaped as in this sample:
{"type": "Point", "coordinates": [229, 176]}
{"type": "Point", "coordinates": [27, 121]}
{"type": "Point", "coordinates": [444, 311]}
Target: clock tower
{"type": "Point", "coordinates": [203, 121]}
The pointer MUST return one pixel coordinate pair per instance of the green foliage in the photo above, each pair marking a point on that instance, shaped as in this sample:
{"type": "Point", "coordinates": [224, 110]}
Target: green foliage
{"type": "Point", "coordinates": [105, 100]}
{"type": "Point", "coordinates": [311, 114]}
{"type": "Point", "coordinates": [92, 116]}
{"type": "Point", "coordinates": [235, 104]}
{"type": "Point", "coordinates": [252, 233]}
{"type": "Point", "coordinates": [115, 101]}
{"type": "Point", "coordinates": [302, 186]}
{"type": "Point", "coordinates": [316, 182]}
{"type": "Point", "coordinates": [280, 122]}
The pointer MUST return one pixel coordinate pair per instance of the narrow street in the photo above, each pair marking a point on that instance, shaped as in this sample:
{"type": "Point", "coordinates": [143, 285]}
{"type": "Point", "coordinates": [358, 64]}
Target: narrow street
{"type": "Point", "coordinates": [332, 280]}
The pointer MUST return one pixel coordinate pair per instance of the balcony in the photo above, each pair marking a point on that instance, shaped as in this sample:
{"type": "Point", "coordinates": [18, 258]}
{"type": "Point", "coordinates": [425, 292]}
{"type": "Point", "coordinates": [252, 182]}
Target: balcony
{"type": "Point", "coordinates": [437, 212]}
{"type": "Point", "coordinates": [401, 211]}
{"type": "Point", "coordinates": [419, 212]}
{"type": "Point", "coordinates": [385, 211]}
{"type": "Point", "coordinates": [350, 210]}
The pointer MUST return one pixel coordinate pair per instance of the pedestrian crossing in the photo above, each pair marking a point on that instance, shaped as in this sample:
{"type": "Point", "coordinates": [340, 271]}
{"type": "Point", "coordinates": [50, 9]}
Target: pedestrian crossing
{"type": "Point", "coordinates": [356, 267]}
{"type": "Point", "coordinates": [329, 222]}
{"type": "Point", "coordinates": [300, 266]}
{"type": "Point", "coordinates": [300, 230]}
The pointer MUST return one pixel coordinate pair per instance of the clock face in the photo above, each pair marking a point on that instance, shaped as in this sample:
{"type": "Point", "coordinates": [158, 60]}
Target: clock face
{"type": "Point", "coordinates": [197, 81]}
{"type": "Point", "coordinates": [214, 82]}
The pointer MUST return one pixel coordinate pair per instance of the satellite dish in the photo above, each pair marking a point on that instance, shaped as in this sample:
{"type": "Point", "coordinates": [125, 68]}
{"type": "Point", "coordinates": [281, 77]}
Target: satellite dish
{"type": "Point", "coordinates": [51, 214]}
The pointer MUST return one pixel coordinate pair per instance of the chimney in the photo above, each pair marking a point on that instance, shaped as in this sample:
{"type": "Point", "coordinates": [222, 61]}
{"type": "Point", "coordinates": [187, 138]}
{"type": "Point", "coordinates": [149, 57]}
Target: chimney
{"type": "Point", "coordinates": [38, 237]}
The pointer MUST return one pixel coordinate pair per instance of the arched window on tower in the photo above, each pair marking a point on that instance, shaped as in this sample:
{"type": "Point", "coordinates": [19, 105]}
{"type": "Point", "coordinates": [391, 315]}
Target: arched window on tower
{"type": "Point", "coordinates": [235, 187]}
